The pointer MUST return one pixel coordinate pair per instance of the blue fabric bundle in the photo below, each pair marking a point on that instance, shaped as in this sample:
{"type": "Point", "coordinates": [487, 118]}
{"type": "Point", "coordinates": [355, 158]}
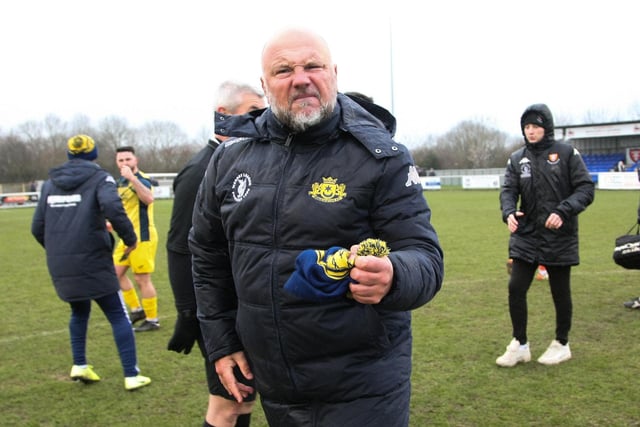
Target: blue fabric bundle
{"type": "Point", "coordinates": [321, 275]}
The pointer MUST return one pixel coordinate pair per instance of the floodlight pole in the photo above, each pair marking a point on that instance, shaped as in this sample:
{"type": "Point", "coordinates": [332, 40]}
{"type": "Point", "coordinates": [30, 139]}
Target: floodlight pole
{"type": "Point", "coordinates": [391, 68]}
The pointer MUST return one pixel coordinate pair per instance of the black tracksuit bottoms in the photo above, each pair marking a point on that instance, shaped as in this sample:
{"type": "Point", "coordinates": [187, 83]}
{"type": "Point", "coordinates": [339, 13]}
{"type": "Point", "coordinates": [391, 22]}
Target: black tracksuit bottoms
{"type": "Point", "coordinates": [522, 274]}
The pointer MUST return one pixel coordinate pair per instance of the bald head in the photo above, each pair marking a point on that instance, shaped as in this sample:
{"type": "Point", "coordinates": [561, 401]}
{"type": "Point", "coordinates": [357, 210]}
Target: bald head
{"type": "Point", "coordinates": [299, 78]}
{"type": "Point", "coordinates": [293, 38]}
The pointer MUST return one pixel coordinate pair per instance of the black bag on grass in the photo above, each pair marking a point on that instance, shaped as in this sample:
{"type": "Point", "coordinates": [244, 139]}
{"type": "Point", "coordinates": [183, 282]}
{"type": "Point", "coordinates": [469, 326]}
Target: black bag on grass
{"type": "Point", "coordinates": [627, 251]}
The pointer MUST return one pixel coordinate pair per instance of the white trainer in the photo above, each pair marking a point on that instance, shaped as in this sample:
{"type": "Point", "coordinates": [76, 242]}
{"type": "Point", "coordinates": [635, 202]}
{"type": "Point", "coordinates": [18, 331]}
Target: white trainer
{"type": "Point", "coordinates": [515, 354]}
{"type": "Point", "coordinates": [556, 353]}
{"type": "Point", "coordinates": [134, 383]}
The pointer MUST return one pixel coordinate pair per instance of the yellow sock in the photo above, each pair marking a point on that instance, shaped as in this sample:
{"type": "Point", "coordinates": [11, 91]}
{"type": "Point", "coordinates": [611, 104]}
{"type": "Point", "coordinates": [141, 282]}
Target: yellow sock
{"type": "Point", "coordinates": [150, 306]}
{"type": "Point", "coordinates": [131, 298]}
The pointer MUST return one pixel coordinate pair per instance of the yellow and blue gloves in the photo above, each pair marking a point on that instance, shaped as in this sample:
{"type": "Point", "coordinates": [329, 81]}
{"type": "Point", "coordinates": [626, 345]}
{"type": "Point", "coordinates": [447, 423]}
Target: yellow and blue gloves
{"type": "Point", "coordinates": [322, 275]}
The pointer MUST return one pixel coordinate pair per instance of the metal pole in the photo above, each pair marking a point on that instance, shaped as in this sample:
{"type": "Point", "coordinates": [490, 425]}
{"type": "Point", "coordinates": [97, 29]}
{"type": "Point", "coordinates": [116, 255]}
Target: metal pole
{"type": "Point", "coordinates": [391, 68]}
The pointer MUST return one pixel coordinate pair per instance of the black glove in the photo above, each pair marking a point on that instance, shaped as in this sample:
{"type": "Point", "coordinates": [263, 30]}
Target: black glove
{"type": "Point", "coordinates": [185, 332]}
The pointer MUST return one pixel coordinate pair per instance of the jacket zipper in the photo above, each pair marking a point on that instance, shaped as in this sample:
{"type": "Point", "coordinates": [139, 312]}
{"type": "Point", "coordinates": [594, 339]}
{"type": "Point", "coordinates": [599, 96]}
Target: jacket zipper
{"type": "Point", "coordinates": [274, 273]}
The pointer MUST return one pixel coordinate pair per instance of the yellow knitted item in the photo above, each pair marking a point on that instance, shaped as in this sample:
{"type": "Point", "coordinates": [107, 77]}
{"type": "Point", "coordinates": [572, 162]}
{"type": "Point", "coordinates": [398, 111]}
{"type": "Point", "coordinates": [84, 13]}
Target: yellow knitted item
{"type": "Point", "coordinates": [375, 247]}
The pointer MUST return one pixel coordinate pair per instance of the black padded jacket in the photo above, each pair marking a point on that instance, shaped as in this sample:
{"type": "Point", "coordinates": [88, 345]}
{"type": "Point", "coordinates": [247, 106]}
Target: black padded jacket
{"type": "Point", "coordinates": [269, 194]}
{"type": "Point", "coordinates": [543, 178]}
{"type": "Point", "coordinates": [70, 222]}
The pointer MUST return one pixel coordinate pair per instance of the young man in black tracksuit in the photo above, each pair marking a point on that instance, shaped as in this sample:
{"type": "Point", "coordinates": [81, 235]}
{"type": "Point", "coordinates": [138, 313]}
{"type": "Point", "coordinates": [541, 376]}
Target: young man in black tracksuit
{"type": "Point", "coordinates": [546, 186]}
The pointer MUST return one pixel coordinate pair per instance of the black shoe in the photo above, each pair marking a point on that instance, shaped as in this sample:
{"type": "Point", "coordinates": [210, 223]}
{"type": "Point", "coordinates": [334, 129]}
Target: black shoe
{"type": "Point", "coordinates": [634, 303]}
{"type": "Point", "coordinates": [148, 325]}
{"type": "Point", "coordinates": [136, 316]}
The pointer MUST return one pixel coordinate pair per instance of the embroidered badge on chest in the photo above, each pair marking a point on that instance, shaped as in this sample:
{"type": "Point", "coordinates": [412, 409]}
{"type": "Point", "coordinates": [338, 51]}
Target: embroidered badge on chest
{"type": "Point", "coordinates": [553, 158]}
{"type": "Point", "coordinates": [329, 191]}
{"type": "Point", "coordinates": [525, 168]}
{"type": "Point", "coordinates": [241, 186]}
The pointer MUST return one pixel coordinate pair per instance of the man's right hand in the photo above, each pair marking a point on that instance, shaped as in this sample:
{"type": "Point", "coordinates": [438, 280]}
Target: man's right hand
{"type": "Point", "coordinates": [512, 221]}
{"type": "Point", "coordinates": [224, 369]}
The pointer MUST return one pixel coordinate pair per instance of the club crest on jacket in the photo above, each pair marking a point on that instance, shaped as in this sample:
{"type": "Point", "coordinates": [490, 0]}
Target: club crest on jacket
{"type": "Point", "coordinates": [525, 168]}
{"type": "Point", "coordinates": [329, 191]}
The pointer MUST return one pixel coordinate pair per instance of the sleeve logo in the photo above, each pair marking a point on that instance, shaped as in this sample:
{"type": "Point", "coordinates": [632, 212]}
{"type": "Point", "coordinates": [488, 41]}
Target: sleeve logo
{"type": "Point", "coordinates": [413, 177]}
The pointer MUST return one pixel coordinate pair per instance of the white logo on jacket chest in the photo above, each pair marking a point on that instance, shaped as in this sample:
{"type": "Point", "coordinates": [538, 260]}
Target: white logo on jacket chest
{"type": "Point", "coordinates": [241, 186]}
{"type": "Point", "coordinates": [525, 168]}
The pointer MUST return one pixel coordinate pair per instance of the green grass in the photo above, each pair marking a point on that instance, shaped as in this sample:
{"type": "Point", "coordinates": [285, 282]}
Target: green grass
{"type": "Point", "coordinates": [457, 336]}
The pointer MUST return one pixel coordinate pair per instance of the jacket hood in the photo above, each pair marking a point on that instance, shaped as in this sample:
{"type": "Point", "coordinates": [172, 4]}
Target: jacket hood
{"type": "Point", "coordinates": [355, 117]}
{"type": "Point", "coordinates": [382, 114]}
{"type": "Point", "coordinates": [548, 125]}
{"type": "Point", "coordinates": [73, 173]}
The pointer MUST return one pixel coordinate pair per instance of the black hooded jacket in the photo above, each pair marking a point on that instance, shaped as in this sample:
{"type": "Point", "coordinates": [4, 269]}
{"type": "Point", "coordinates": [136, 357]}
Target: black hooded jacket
{"type": "Point", "coordinates": [70, 223]}
{"type": "Point", "coordinates": [269, 194]}
{"type": "Point", "coordinates": [543, 178]}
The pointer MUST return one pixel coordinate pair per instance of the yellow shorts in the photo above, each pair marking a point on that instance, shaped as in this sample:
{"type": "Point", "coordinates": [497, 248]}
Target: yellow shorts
{"type": "Point", "coordinates": [141, 260]}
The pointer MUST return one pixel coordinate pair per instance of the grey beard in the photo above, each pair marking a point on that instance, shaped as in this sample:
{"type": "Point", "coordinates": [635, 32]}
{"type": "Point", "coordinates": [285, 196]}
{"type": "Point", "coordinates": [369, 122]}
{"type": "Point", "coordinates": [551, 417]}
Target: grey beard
{"type": "Point", "coordinates": [301, 122]}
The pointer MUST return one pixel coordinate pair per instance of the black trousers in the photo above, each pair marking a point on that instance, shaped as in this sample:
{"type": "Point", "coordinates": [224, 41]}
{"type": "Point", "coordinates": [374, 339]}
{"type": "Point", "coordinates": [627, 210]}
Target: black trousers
{"type": "Point", "coordinates": [560, 283]}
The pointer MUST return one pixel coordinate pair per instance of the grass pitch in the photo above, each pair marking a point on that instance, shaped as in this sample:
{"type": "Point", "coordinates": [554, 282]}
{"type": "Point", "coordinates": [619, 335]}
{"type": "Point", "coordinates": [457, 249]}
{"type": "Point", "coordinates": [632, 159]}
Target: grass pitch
{"type": "Point", "coordinates": [456, 337]}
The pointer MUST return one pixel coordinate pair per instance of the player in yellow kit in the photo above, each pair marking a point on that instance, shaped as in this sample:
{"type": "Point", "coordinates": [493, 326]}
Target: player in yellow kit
{"type": "Point", "coordinates": [135, 189]}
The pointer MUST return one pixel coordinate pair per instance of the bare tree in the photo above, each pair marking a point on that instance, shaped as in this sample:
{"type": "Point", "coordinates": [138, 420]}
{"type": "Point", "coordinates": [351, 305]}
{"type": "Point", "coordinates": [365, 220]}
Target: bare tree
{"type": "Point", "coordinates": [80, 123]}
{"type": "Point", "coordinates": [158, 144]}
{"type": "Point", "coordinates": [45, 141]}
{"type": "Point", "coordinates": [17, 161]}
{"type": "Point", "coordinates": [32, 148]}
{"type": "Point", "coordinates": [114, 132]}
{"type": "Point", "coordinates": [426, 157]}
{"type": "Point", "coordinates": [57, 134]}
{"type": "Point", "coordinates": [472, 145]}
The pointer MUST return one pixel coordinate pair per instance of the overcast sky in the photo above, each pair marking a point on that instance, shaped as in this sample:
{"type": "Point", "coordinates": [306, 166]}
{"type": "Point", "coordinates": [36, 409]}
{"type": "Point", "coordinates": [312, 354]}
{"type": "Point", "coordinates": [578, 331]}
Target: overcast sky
{"type": "Point", "coordinates": [452, 60]}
